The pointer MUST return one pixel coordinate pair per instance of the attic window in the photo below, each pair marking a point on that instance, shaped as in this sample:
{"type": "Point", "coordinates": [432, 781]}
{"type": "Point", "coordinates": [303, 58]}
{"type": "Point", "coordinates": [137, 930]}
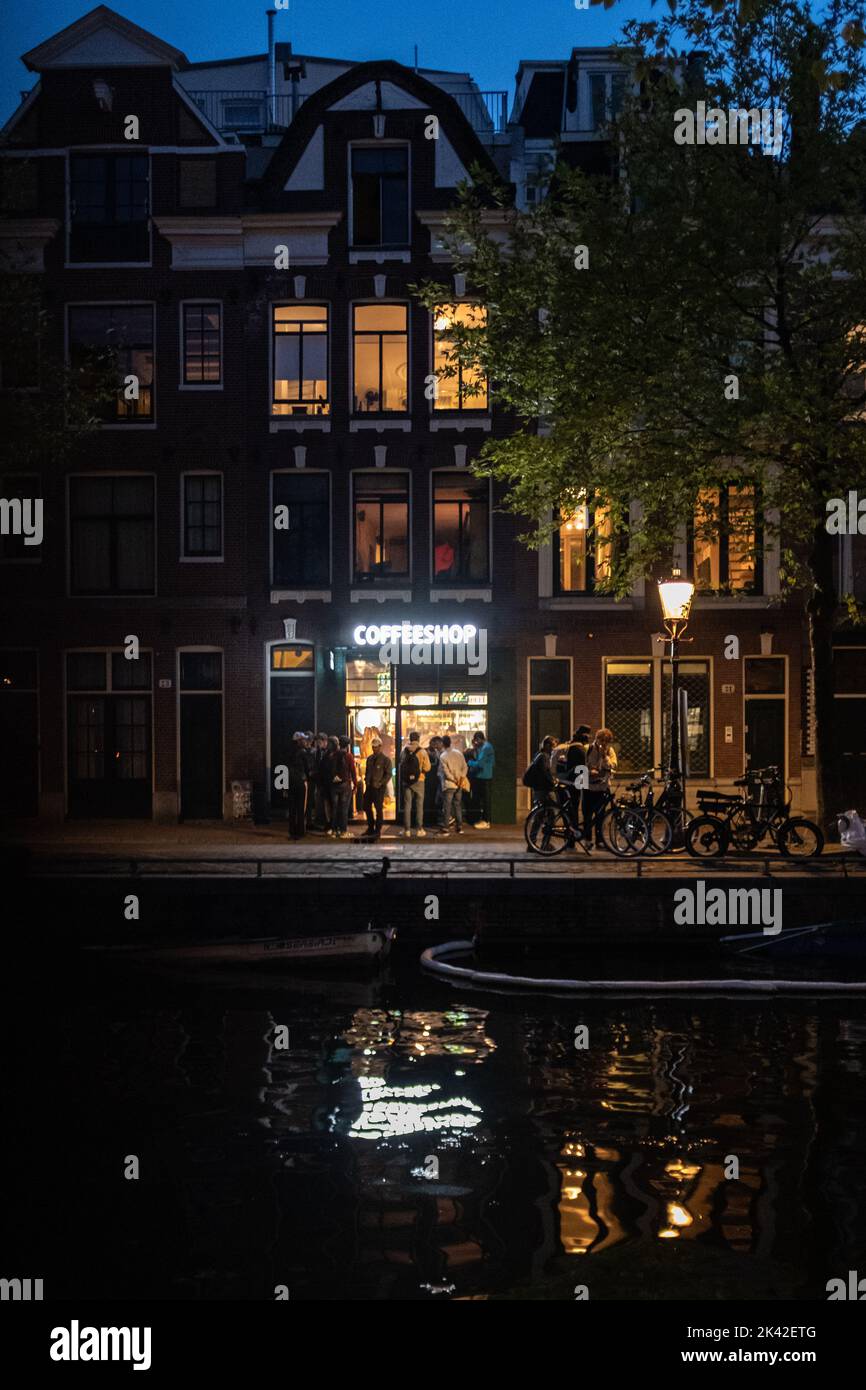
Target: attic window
{"type": "Point", "coordinates": [197, 183]}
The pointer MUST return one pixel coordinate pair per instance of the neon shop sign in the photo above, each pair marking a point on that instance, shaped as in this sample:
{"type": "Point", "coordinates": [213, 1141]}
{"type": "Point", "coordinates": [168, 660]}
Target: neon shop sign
{"type": "Point", "coordinates": [426, 644]}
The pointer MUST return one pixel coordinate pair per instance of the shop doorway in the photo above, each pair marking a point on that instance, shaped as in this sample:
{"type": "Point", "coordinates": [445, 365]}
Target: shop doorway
{"type": "Point", "coordinates": [291, 706]}
{"type": "Point", "coordinates": [394, 701]}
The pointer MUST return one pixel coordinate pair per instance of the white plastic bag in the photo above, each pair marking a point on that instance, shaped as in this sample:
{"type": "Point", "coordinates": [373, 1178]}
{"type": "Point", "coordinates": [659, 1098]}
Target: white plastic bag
{"type": "Point", "coordinates": [852, 831]}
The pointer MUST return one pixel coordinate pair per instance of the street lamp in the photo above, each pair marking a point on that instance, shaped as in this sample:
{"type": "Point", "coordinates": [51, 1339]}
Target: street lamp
{"type": "Point", "coordinates": [676, 596]}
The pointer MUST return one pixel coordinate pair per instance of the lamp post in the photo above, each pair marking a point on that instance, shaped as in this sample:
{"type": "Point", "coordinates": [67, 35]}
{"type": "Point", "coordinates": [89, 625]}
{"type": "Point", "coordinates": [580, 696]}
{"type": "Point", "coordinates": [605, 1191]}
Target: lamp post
{"type": "Point", "coordinates": [676, 596]}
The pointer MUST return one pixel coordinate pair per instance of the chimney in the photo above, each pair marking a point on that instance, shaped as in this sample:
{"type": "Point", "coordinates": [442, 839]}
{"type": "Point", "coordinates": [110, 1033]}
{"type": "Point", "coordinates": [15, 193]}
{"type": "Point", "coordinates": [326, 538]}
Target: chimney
{"type": "Point", "coordinates": [272, 71]}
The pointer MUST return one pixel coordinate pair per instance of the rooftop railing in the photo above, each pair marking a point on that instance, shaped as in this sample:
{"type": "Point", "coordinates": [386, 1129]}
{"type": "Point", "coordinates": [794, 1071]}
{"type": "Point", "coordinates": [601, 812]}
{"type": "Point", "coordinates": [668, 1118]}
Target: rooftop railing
{"type": "Point", "coordinates": [256, 113]}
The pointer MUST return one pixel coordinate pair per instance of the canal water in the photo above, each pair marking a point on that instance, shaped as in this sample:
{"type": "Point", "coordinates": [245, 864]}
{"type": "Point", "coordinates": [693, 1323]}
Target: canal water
{"type": "Point", "coordinates": [412, 1141]}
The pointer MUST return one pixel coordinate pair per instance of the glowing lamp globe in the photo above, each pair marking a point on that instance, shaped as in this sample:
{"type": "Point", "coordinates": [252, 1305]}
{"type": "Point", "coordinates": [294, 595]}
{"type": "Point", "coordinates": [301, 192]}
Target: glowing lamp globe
{"type": "Point", "coordinates": [676, 596]}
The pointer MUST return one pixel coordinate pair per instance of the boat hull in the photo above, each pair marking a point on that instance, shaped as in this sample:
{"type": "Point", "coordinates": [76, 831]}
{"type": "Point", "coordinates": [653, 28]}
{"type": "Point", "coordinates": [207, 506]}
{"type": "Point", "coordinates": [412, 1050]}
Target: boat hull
{"type": "Point", "coordinates": [363, 948]}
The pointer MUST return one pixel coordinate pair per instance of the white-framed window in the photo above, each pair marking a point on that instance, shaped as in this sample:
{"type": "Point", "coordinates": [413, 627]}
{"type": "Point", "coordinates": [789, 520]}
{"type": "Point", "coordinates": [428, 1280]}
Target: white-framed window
{"type": "Point", "coordinates": [637, 708]}
{"type": "Point", "coordinates": [201, 345]}
{"type": "Point", "coordinates": [459, 388]}
{"type": "Point", "coordinates": [460, 527]}
{"type": "Point", "coordinates": [380, 358]}
{"type": "Point", "coordinates": [301, 548]}
{"type": "Point", "coordinates": [201, 516]}
{"type": "Point", "coordinates": [125, 334]}
{"type": "Point", "coordinates": [300, 359]}
{"type": "Point", "coordinates": [379, 195]}
{"type": "Point", "coordinates": [549, 700]}
{"type": "Point", "coordinates": [381, 525]}
{"type": "Point", "coordinates": [109, 207]}
{"type": "Point", "coordinates": [112, 534]}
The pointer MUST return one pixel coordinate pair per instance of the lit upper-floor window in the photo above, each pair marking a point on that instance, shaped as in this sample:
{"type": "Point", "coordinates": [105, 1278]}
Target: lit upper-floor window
{"type": "Point", "coordinates": [381, 507]}
{"type": "Point", "coordinates": [300, 360]}
{"type": "Point", "coordinates": [380, 195]}
{"type": "Point", "coordinates": [583, 550]}
{"type": "Point", "coordinates": [120, 335]}
{"type": "Point", "coordinates": [461, 528]}
{"type": "Point", "coordinates": [380, 358]}
{"type": "Point", "coordinates": [202, 344]}
{"type": "Point", "coordinates": [109, 208]}
{"type": "Point", "coordinates": [458, 386]}
{"type": "Point", "coordinates": [724, 541]}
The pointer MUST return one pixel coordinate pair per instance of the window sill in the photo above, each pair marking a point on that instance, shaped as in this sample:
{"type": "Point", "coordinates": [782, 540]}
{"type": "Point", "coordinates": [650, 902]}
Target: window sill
{"type": "Point", "coordinates": [381, 595]}
{"type": "Point", "coordinates": [379, 255]}
{"type": "Point", "coordinates": [300, 595]}
{"type": "Point", "coordinates": [189, 386]}
{"type": "Point", "coordinates": [144, 425]}
{"type": "Point", "coordinates": [380, 425]}
{"type": "Point", "coordinates": [588, 604]}
{"type": "Point", "coordinates": [460, 422]}
{"type": "Point", "coordinates": [731, 600]}
{"type": "Point", "coordinates": [300, 423]}
{"type": "Point", "coordinates": [461, 595]}
{"type": "Point", "coordinates": [201, 559]}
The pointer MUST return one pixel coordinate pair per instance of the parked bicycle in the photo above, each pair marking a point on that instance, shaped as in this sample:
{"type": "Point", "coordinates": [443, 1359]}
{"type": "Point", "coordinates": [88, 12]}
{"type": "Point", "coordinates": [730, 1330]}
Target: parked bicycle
{"type": "Point", "coordinates": [553, 825]}
{"type": "Point", "coordinates": [745, 821]}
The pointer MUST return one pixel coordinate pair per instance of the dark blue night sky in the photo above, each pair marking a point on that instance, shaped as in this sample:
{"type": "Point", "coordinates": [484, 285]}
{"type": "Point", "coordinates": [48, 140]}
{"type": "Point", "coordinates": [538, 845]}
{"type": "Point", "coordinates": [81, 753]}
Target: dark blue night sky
{"type": "Point", "coordinates": [487, 38]}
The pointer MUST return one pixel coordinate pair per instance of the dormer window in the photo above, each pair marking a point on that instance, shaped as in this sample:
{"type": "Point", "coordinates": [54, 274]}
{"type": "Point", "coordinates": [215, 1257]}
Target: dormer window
{"type": "Point", "coordinates": [380, 195]}
{"type": "Point", "coordinates": [109, 209]}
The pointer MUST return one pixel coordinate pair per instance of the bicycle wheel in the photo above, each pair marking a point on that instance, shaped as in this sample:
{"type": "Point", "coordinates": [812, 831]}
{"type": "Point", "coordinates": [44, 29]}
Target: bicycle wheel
{"type": "Point", "coordinates": [800, 839]}
{"type": "Point", "coordinates": [547, 831]}
{"type": "Point", "coordinates": [624, 831]}
{"type": "Point", "coordinates": [660, 832]}
{"type": "Point", "coordinates": [707, 837]}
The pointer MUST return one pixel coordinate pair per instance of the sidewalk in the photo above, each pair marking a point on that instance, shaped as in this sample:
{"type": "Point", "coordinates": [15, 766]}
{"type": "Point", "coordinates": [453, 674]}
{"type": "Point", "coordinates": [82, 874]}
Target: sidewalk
{"type": "Point", "coordinates": [144, 837]}
{"type": "Point", "coordinates": [244, 849]}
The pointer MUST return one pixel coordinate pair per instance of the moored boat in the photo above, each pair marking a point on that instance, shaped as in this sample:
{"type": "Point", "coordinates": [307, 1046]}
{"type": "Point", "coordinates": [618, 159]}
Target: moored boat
{"type": "Point", "coordinates": [364, 948]}
{"type": "Point", "coordinates": [837, 940]}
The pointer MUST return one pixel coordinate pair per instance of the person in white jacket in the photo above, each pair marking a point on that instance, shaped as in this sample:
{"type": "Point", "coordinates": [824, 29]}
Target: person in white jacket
{"type": "Point", "coordinates": [453, 775]}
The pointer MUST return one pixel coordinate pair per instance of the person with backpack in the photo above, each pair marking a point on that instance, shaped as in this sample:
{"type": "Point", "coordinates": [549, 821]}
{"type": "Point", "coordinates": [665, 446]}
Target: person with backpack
{"type": "Point", "coordinates": [414, 766]}
{"type": "Point", "coordinates": [377, 774]}
{"type": "Point", "coordinates": [538, 776]}
{"type": "Point", "coordinates": [454, 779]}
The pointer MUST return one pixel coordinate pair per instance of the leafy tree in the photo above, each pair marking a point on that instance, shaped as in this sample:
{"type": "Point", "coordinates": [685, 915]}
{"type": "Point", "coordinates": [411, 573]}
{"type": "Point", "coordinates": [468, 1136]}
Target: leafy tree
{"type": "Point", "coordinates": [714, 329]}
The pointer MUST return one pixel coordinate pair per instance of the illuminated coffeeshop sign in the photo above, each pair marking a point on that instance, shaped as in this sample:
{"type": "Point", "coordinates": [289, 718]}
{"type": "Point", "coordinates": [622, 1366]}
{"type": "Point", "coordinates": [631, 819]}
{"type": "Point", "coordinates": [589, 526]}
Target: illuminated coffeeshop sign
{"type": "Point", "coordinates": [426, 644]}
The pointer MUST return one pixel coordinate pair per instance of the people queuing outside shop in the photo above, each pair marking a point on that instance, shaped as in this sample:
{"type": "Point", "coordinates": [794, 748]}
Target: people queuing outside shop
{"type": "Point", "coordinates": [454, 781]}
{"type": "Point", "coordinates": [325, 780]}
{"type": "Point", "coordinates": [481, 765]}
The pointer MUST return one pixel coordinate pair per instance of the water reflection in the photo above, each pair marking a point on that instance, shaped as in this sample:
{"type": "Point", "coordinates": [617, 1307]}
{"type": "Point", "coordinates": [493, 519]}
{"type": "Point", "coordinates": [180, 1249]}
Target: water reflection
{"type": "Point", "coordinates": [448, 1149]}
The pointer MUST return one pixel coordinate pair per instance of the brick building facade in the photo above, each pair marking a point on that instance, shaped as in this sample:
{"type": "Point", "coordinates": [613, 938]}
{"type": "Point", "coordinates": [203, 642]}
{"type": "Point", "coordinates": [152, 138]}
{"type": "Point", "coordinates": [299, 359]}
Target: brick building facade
{"type": "Point", "coordinates": [275, 479]}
